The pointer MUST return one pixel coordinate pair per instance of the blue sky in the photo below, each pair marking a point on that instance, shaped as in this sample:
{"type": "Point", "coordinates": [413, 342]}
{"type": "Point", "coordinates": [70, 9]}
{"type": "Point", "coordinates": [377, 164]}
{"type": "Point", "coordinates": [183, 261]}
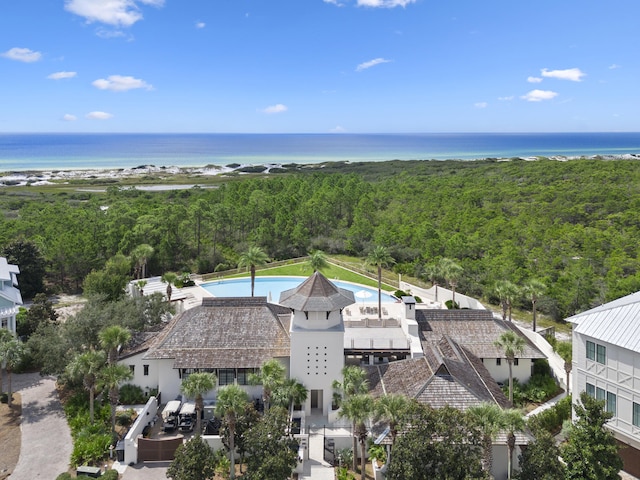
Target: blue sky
{"type": "Point", "coordinates": [319, 66]}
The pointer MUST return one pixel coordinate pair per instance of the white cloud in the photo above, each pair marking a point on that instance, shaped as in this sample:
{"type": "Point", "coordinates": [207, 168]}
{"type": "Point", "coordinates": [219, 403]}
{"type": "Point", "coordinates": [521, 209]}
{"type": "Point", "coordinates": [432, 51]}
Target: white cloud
{"type": "Point", "coordinates": [481, 105]}
{"type": "Point", "coordinates": [534, 79]}
{"type": "Point", "coordinates": [119, 13]}
{"type": "Point", "coordinates": [384, 3]}
{"type": "Point", "coordinates": [334, 2]}
{"type": "Point", "coordinates": [572, 74]}
{"type": "Point", "coordinates": [539, 95]}
{"type": "Point", "coordinates": [337, 129]}
{"type": "Point", "coordinates": [371, 63]}
{"type": "Point", "coordinates": [200, 25]}
{"type": "Point", "coordinates": [99, 116]}
{"type": "Point", "coordinates": [22, 55]}
{"type": "Point", "coordinates": [69, 118]}
{"type": "Point", "coordinates": [108, 33]}
{"type": "Point", "coordinates": [277, 108]}
{"type": "Point", "coordinates": [119, 83]}
{"type": "Point", "coordinates": [61, 75]}
{"type": "Point", "coordinates": [506, 99]}
{"type": "Point", "coordinates": [613, 66]}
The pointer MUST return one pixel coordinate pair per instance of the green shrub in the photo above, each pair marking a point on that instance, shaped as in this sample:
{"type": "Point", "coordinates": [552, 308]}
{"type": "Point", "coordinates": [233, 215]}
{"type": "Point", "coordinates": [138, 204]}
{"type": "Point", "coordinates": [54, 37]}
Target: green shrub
{"type": "Point", "coordinates": [541, 367]}
{"type": "Point", "coordinates": [552, 418]}
{"type": "Point", "coordinates": [110, 475]}
{"type": "Point", "coordinates": [90, 448]}
{"type": "Point", "coordinates": [64, 476]}
{"type": "Point", "coordinates": [400, 293]}
{"type": "Point", "coordinates": [131, 395]}
{"type": "Point", "coordinates": [124, 419]}
{"type": "Point", "coordinates": [4, 397]}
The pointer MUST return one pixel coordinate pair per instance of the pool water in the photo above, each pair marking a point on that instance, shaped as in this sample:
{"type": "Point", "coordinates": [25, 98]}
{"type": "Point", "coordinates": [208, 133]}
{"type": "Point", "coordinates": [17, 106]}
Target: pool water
{"type": "Point", "coordinates": [272, 287]}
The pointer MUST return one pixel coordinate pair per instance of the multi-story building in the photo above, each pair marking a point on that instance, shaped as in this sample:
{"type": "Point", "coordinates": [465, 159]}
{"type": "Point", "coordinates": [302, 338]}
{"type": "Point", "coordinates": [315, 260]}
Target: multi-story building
{"type": "Point", "coordinates": [10, 297]}
{"type": "Point", "coordinates": [606, 364]}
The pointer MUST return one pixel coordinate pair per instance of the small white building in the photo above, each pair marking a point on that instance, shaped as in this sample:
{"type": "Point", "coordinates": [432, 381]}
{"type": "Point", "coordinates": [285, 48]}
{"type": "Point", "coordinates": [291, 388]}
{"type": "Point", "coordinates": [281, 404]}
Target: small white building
{"type": "Point", "coordinates": [10, 297]}
{"type": "Point", "coordinates": [606, 364]}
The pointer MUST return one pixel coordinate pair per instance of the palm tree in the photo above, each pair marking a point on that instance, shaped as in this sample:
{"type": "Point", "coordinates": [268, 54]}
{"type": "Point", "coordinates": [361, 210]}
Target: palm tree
{"type": "Point", "coordinates": [141, 255]}
{"type": "Point", "coordinates": [451, 271]}
{"type": "Point", "coordinates": [11, 353]}
{"type": "Point", "coordinates": [271, 375]}
{"type": "Point", "coordinates": [433, 271]}
{"type": "Point", "coordinates": [196, 385]}
{"type": "Point", "coordinates": [317, 260]}
{"type": "Point", "coordinates": [110, 379]}
{"type": "Point", "coordinates": [565, 350]}
{"type": "Point", "coordinates": [112, 339]}
{"type": "Point", "coordinates": [506, 291]}
{"type": "Point", "coordinates": [141, 284]}
{"type": "Point", "coordinates": [390, 409]}
{"type": "Point", "coordinates": [87, 366]}
{"type": "Point", "coordinates": [513, 422]}
{"type": "Point", "coordinates": [534, 289]}
{"type": "Point", "coordinates": [170, 279]}
{"type": "Point", "coordinates": [489, 419]}
{"type": "Point", "coordinates": [354, 382]}
{"type": "Point", "coordinates": [250, 259]}
{"type": "Point", "coordinates": [358, 409]}
{"type": "Point", "coordinates": [511, 344]}
{"type": "Point", "coordinates": [230, 404]}
{"type": "Point", "coordinates": [290, 393]}
{"type": "Point", "coordinates": [380, 257]}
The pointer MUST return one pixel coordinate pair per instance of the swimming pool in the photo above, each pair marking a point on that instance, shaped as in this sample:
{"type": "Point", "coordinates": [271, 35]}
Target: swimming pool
{"type": "Point", "coordinates": [274, 286]}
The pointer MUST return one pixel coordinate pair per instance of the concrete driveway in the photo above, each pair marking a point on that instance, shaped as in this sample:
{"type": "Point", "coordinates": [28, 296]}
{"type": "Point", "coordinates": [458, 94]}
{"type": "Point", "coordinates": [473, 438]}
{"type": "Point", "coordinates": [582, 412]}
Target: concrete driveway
{"type": "Point", "coordinates": [46, 439]}
{"type": "Point", "coordinates": [146, 471]}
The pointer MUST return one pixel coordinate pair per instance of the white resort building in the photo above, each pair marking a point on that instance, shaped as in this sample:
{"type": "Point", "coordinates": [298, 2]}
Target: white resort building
{"type": "Point", "coordinates": [606, 365]}
{"type": "Point", "coordinates": [10, 297]}
{"type": "Point", "coordinates": [438, 356]}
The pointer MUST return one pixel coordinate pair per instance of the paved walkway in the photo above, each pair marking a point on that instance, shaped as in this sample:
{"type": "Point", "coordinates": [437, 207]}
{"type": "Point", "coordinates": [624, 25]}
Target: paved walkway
{"type": "Point", "coordinates": [316, 468]}
{"type": "Point", "coordinates": [46, 440]}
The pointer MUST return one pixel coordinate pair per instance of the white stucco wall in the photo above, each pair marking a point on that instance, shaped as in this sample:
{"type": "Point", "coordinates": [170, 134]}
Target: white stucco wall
{"type": "Point", "coordinates": [317, 359]}
{"type": "Point", "coordinates": [500, 373]}
{"type": "Point", "coordinates": [146, 382]}
{"type": "Point", "coordinates": [146, 417]}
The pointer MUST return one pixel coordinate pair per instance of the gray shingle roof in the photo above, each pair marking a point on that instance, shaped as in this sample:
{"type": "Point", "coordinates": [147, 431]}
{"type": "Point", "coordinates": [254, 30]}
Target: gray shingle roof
{"type": "Point", "coordinates": [476, 330]}
{"type": "Point", "coordinates": [448, 374]}
{"type": "Point", "coordinates": [224, 333]}
{"type": "Point", "coordinates": [316, 294]}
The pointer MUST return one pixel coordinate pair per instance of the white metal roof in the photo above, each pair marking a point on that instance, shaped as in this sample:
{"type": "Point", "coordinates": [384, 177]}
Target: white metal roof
{"type": "Point", "coordinates": [616, 322]}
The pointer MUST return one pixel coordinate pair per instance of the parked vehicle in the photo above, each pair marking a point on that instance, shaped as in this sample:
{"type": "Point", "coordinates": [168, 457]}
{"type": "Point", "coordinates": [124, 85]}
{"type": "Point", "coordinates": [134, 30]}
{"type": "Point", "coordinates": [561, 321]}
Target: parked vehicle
{"type": "Point", "coordinates": [187, 417]}
{"type": "Point", "coordinates": [170, 415]}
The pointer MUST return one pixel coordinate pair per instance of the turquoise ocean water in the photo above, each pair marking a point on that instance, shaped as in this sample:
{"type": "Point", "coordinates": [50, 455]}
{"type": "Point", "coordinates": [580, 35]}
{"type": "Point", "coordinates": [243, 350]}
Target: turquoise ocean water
{"type": "Point", "coordinates": [20, 152]}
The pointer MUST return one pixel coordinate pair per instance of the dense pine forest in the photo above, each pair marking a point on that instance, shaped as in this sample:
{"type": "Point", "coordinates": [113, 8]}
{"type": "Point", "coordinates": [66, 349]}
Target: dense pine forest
{"type": "Point", "coordinates": [573, 225]}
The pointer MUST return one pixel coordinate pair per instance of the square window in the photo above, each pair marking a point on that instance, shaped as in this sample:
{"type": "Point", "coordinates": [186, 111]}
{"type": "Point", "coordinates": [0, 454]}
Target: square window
{"type": "Point", "coordinates": [226, 376]}
{"type": "Point", "coordinates": [600, 394]}
{"type": "Point", "coordinates": [591, 350]}
{"type": "Point", "coordinates": [145, 369]}
{"type": "Point", "coordinates": [601, 354]}
{"type": "Point", "coordinates": [133, 369]}
{"type": "Point", "coordinates": [498, 361]}
{"type": "Point", "coordinates": [515, 362]}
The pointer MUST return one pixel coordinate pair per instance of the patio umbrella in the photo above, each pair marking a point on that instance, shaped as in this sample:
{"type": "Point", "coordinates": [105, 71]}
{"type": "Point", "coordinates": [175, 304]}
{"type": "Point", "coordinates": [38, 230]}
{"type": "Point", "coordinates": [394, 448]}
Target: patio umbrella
{"type": "Point", "coordinates": [363, 294]}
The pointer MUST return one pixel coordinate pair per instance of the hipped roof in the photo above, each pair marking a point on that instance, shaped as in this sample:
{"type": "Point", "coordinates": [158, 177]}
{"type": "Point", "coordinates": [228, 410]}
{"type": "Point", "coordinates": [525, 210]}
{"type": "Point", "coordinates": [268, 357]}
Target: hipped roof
{"type": "Point", "coordinates": [316, 294]}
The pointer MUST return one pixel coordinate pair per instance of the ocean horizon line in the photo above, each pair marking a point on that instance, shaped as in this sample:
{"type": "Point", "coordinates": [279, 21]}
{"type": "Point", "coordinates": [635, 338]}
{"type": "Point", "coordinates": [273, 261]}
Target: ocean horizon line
{"type": "Point", "coordinates": [59, 151]}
